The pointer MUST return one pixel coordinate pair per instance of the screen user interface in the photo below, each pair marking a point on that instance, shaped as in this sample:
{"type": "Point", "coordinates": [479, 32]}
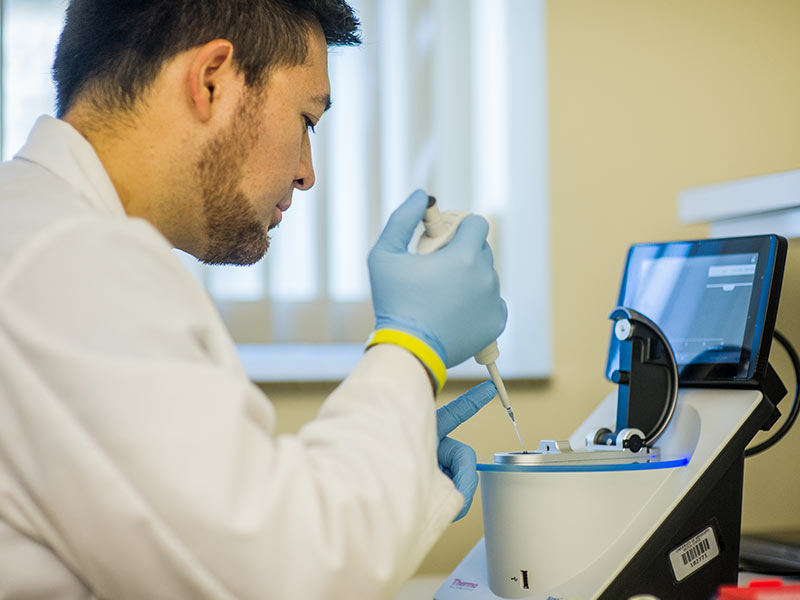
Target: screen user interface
{"type": "Point", "coordinates": [700, 302]}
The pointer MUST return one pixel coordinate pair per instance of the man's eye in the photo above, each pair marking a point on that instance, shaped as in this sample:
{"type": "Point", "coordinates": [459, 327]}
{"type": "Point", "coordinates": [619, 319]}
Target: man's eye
{"type": "Point", "coordinates": [310, 125]}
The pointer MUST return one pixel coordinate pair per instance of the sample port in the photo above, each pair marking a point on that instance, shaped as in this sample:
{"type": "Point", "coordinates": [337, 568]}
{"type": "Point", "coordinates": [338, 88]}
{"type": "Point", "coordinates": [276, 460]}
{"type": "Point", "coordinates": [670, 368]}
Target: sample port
{"type": "Point", "coordinates": [524, 580]}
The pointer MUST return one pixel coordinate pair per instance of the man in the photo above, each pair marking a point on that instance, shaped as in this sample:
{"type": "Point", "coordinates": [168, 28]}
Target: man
{"type": "Point", "coordinates": [136, 459]}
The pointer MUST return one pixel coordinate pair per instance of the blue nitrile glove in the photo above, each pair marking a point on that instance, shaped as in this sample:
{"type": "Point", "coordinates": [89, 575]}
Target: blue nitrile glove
{"type": "Point", "coordinates": [450, 299]}
{"type": "Point", "coordinates": [456, 459]}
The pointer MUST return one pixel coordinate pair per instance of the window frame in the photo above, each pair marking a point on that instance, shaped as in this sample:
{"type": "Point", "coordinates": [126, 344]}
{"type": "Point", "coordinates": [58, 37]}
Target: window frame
{"type": "Point", "coordinates": [520, 241]}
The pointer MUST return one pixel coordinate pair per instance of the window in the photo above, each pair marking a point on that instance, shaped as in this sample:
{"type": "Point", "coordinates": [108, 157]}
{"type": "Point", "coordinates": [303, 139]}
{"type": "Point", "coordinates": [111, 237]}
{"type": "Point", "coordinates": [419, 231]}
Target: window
{"type": "Point", "coordinates": [447, 95]}
{"type": "Point", "coordinates": [28, 37]}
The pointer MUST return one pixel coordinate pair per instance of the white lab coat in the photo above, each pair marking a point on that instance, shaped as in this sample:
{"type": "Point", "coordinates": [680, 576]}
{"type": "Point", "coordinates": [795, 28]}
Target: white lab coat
{"type": "Point", "coordinates": [138, 461]}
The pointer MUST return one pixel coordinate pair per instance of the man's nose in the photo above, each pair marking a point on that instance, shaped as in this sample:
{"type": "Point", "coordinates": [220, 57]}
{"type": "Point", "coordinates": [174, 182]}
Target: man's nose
{"type": "Point", "coordinates": [304, 180]}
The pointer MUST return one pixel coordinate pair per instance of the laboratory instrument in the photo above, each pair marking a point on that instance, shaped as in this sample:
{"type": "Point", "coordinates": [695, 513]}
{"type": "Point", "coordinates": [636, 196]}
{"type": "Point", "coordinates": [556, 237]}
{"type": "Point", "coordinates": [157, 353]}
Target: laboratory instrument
{"type": "Point", "coordinates": [439, 229]}
{"type": "Point", "coordinates": [646, 496]}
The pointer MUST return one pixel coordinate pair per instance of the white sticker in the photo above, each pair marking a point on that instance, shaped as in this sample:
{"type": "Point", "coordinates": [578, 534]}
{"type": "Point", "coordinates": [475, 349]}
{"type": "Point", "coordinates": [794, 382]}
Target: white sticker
{"type": "Point", "coordinates": [694, 553]}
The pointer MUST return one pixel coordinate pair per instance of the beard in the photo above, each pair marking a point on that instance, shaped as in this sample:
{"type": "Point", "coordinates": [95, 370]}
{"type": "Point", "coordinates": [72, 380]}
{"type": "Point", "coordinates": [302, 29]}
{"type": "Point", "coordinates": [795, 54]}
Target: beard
{"type": "Point", "coordinates": [235, 234]}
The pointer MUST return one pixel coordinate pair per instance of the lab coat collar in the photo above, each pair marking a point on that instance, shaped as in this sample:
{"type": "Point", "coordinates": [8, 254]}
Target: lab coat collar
{"type": "Point", "coordinates": [59, 148]}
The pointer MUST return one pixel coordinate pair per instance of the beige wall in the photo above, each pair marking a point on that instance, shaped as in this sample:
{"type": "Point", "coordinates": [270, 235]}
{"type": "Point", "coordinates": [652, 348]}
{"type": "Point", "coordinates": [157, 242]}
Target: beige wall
{"type": "Point", "coordinates": [646, 98]}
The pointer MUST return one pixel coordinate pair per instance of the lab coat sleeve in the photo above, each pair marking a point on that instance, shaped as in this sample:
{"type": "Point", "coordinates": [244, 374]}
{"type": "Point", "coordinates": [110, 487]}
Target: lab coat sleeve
{"type": "Point", "coordinates": [146, 460]}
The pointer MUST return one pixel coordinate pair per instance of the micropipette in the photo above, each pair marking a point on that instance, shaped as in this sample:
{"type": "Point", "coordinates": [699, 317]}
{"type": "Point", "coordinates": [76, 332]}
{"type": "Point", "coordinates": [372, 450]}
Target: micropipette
{"type": "Point", "coordinates": [487, 357]}
{"type": "Point", "coordinates": [439, 230]}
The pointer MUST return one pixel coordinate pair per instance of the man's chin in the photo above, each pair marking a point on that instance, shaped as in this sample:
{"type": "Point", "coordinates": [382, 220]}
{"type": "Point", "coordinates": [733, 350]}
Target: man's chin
{"type": "Point", "coordinates": [234, 259]}
{"type": "Point", "coordinates": [242, 254]}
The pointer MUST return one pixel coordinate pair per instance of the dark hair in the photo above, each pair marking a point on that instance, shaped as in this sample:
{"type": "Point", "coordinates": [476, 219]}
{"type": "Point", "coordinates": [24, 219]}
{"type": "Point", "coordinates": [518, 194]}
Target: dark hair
{"type": "Point", "coordinates": [115, 49]}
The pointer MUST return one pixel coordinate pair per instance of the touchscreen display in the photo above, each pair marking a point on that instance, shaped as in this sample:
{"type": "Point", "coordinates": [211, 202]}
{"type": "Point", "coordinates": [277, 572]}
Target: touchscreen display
{"type": "Point", "coordinates": [710, 297]}
{"type": "Point", "coordinates": [700, 302]}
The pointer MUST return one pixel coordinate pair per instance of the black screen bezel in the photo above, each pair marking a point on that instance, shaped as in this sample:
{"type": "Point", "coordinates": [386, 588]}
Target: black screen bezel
{"type": "Point", "coordinates": [754, 353]}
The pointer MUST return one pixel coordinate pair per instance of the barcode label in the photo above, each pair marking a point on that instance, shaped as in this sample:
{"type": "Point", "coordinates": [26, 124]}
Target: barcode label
{"type": "Point", "coordinates": [694, 554]}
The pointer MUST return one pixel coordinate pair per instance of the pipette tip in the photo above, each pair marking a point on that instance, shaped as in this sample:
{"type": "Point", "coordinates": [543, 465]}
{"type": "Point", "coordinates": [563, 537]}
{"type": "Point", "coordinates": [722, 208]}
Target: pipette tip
{"type": "Point", "coordinates": [516, 429]}
{"type": "Point", "coordinates": [503, 395]}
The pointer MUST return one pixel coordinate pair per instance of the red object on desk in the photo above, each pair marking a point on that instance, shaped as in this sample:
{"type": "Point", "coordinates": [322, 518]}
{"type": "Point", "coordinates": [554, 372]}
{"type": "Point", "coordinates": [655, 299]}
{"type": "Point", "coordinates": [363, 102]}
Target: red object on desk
{"type": "Point", "coordinates": [770, 589]}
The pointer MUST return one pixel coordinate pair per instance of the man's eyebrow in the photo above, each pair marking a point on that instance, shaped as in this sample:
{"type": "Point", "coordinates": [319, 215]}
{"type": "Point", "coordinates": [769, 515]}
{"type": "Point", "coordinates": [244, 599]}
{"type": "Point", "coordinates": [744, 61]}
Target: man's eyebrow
{"type": "Point", "coordinates": [324, 100]}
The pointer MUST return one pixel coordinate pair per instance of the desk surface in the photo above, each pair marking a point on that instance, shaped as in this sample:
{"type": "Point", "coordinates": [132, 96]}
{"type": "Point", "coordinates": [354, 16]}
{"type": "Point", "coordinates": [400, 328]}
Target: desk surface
{"type": "Point", "coordinates": [423, 587]}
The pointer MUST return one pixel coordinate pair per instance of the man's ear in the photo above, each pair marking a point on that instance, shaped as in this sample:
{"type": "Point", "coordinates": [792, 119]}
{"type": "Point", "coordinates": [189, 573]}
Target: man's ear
{"type": "Point", "coordinates": [211, 66]}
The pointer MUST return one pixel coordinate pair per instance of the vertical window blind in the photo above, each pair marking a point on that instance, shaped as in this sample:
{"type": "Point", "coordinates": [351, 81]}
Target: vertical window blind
{"type": "Point", "coordinates": [445, 95]}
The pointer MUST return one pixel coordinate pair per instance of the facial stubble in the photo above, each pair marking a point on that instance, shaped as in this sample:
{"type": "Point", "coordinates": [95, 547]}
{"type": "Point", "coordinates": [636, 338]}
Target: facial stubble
{"type": "Point", "coordinates": [235, 234]}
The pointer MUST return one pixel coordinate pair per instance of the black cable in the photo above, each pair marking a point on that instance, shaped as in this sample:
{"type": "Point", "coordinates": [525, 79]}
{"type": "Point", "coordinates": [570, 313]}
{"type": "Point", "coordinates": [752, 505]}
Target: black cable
{"type": "Point", "coordinates": [792, 417]}
{"type": "Point", "coordinates": [772, 571]}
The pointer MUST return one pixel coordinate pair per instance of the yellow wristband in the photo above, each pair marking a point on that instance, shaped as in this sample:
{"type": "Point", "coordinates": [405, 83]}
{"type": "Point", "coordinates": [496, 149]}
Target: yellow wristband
{"type": "Point", "coordinates": [417, 347]}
